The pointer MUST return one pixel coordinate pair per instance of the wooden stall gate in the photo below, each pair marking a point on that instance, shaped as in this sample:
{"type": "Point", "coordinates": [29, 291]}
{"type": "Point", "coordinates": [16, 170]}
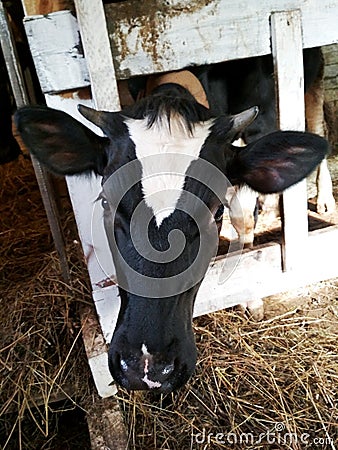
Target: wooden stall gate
{"type": "Point", "coordinates": [132, 38]}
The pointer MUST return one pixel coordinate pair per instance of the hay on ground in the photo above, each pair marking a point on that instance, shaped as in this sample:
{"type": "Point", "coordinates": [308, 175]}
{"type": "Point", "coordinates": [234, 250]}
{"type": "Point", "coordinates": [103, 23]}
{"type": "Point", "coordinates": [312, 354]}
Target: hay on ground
{"type": "Point", "coordinates": [266, 385]}
{"type": "Point", "coordinates": [41, 352]}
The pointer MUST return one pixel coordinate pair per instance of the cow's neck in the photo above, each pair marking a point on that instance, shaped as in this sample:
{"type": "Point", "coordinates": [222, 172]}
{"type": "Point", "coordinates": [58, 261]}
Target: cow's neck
{"type": "Point", "coordinates": [182, 77]}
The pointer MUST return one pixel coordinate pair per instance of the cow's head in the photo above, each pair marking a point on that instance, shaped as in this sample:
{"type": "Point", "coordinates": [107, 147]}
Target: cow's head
{"type": "Point", "coordinates": [165, 166]}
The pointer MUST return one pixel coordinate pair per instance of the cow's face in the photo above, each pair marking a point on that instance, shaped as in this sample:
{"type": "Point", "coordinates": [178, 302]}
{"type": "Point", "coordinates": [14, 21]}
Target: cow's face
{"type": "Point", "coordinates": [165, 176]}
{"type": "Point", "coordinates": [162, 215]}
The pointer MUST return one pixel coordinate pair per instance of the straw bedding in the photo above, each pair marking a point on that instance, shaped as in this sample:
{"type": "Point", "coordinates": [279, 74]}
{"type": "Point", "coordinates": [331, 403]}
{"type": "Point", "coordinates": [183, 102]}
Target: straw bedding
{"type": "Point", "coordinates": [41, 354]}
{"type": "Point", "coordinates": [261, 385]}
{"type": "Point", "coordinates": [253, 382]}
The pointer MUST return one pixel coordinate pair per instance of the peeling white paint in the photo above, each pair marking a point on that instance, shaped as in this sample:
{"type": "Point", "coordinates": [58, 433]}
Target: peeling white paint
{"type": "Point", "coordinates": [54, 42]}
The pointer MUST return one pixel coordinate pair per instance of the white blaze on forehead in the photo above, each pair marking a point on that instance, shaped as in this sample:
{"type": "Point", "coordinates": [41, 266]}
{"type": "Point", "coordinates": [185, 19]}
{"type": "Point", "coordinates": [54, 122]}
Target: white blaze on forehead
{"type": "Point", "coordinates": [163, 177]}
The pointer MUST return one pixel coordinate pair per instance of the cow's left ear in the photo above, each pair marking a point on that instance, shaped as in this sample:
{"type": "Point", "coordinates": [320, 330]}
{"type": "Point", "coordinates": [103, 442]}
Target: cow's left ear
{"type": "Point", "coordinates": [58, 141]}
{"type": "Point", "coordinates": [277, 161]}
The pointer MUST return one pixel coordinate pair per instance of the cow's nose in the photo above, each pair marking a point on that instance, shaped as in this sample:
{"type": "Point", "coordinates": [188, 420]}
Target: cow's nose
{"type": "Point", "coordinates": [144, 373]}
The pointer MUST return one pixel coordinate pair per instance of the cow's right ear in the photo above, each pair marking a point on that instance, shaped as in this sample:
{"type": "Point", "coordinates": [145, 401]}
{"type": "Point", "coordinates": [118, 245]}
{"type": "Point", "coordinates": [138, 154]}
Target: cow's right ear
{"type": "Point", "coordinates": [58, 141]}
{"type": "Point", "coordinates": [277, 160]}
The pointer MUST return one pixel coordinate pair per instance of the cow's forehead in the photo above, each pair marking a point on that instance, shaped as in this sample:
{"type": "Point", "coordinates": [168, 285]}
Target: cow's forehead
{"type": "Point", "coordinates": [165, 151]}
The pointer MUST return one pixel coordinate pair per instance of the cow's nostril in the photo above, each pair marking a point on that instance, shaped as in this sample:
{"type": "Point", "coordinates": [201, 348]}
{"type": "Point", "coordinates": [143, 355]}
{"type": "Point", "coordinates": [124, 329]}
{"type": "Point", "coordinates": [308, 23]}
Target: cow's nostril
{"type": "Point", "coordinates": [167, 370]}
{"type": "Point", "coordinates": [124, 365]}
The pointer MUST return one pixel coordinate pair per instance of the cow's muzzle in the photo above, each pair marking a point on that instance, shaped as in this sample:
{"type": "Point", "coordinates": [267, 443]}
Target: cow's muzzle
{"type": "Point", "coordinates": [146, 371]}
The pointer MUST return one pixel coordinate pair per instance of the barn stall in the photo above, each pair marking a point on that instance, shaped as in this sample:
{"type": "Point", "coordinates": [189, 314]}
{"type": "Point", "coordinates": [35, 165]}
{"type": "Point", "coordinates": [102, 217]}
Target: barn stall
{"type": "Point", "coordinates": [261, 267]}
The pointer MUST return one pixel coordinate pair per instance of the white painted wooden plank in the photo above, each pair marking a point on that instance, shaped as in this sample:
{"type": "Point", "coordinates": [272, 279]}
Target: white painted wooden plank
{"type": "Point", "coordinates": [84, 192]}
{"type": "Point", "coordinates": [259, 274]}
{"type": "Point", "coordinates": [99, 367]}
{"type": "Point", "coordinates": [107, 304]}
{"type": "Point", "coordinates": [152, 37]}
{"type": "Point", "coordinates": [94, 35]}
{"type": "Point", "coordinates": [88, 212]}
{"type": "Point", "coordinates": [286, 40]}
{"type": "Point", "coordinates": [149, 42]}
{"type": "Point", "coordinates": [96, 351]}
{"type": "Point", "coordinates": [56, 50]}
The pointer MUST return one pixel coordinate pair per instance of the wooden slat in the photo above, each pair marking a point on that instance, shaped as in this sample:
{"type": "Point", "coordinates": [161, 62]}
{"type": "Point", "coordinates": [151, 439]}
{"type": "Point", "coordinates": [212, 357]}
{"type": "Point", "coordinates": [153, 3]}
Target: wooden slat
{"type": "Point", "coordinates": [98, 54]}
{"type": "Point", "coordinates": [258, 273]}
{"type": "Point", "coordinates": [96, 351]}
{"type": "Point", "coordinates": [107, 304]}
{"type": "Point", "coordinates": [106, 426]}
{"type": "Point", "coordinates": [56, 49]}
{"type": "Point", "coordinates": [97, 359]}
{"type": "Point", "coordinates": [153, 36]}
{"type": "Point", "coordinates": [286, 39]}
{"type": "Point", "coordinates": [146, 41]}
{"type": "Point", "coordinates": [84, 192]}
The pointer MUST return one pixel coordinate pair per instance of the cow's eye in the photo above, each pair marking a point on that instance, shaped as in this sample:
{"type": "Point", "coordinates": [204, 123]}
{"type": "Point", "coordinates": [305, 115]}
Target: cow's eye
{"type": "Point", "coordinates": [105, 204]}
{"type": "Point", "coordinates": [219, 213]}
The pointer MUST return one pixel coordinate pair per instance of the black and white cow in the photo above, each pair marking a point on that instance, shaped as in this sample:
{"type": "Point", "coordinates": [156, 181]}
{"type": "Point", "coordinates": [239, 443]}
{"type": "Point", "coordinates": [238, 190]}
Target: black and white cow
{"type": "Point", "coordinates": [166, 163]}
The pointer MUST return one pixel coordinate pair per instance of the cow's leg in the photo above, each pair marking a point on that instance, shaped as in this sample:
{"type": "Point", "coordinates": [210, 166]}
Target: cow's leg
{"type": "Point", "coordinates": [255, 309]}
{"type": "Point", "coordinates": [314, 110]}
{"type": "Point", "coordinates": [242, 205]}
{"type": "Point", "coordinates": [242, 202]}
{"type": "Point", "coordinates": [241, 212]}
{"type": "Point", "coordinates": [325, 200]}
{"type": "Point", "coordinates": [270, 206]}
